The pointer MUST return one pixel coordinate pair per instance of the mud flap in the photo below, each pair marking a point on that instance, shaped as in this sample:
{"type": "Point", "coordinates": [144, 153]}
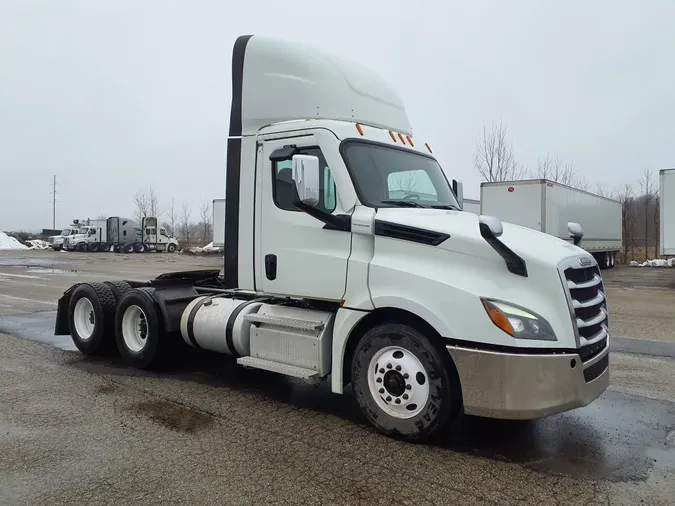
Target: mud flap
{"type": "Point", "coordinates": [61, 327]}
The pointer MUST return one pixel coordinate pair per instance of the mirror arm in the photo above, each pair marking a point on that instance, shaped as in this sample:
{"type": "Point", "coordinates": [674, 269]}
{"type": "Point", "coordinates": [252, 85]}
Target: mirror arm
{"type": "Point", "coordinates": [333, 222]}
{"type": "Point", "coordinates": [514, 263]}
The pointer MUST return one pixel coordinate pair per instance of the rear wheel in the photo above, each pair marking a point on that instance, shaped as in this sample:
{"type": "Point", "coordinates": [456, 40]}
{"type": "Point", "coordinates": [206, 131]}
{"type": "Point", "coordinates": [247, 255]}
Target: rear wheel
{"type": "Point", "coordinates": [94, 247]}
{"type": "Point", "coordinates": [140, 247]}
{"type": "Point", "coordinates": [82, 247]}
{"type": "Point", "coordinates": [129, 248]}
{"type": "Point", "coordinates": [91, 315]}
{"type": "Point", "coordinates": [140, 332]}
{"type": "Point", "coordinates": [404, 384]}
{"type": "Point", "coordinates": [119, 288]}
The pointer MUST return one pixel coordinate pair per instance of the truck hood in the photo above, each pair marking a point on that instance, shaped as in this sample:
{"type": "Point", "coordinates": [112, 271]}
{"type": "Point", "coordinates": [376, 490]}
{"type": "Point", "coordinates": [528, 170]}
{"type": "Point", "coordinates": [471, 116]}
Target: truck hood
{"type": "Point", "coordinates": [463, 229]}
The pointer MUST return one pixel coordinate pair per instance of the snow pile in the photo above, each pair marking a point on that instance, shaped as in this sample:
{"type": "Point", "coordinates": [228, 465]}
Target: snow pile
{"type": "Point", "coordinates": [209, 249]}
{"type": "Point", "coordinates": [38, 244]}
{"type": "Point", "coordinates": [7, 242]}
{"type": "Point", "coordinates": [658, 262]}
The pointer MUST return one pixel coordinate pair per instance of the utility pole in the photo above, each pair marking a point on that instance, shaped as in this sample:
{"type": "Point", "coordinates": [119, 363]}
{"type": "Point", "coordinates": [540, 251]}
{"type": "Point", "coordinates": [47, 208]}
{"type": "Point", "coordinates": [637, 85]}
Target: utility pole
{"type": "Point", "coordinates": [54, 204]}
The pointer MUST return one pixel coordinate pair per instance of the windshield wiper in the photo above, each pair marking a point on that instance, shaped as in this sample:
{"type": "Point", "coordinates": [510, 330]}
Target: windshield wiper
{"type": "Point", "coordinates": [402, 203]}
{"type": "Point", "coordinates": [445, 206]}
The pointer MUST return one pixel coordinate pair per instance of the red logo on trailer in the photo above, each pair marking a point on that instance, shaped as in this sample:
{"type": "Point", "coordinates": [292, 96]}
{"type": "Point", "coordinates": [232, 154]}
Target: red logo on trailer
{"type": "Point", "coordinates": [511, 188]}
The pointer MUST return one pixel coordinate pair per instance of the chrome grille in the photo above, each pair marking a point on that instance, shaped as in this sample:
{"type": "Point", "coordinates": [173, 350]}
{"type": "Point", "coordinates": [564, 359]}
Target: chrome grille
{"type": "Point", "coordinates": [588, 308]}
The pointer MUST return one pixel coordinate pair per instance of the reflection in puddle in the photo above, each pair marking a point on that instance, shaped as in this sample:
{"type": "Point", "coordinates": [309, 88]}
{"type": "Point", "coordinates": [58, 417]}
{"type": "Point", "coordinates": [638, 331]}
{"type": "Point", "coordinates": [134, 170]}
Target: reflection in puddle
{"type": "Point", "coordinates": [46, 270]}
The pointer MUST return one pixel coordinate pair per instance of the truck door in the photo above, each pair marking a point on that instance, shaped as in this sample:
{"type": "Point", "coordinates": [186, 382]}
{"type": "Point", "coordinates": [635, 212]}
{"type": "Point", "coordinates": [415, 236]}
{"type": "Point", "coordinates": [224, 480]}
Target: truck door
{"type": "Point", "coordinates": [295, 254]}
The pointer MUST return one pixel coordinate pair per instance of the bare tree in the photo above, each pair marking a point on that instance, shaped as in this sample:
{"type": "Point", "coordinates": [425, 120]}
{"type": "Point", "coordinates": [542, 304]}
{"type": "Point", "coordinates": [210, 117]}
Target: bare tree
{"type": "Point", "coordinates": [404, 181]}
{"type": "Point", "coordinates": [559, 172]}
{"type": "Point", "coordinates": [648, 194]}
{"type": "Point", "coordinates": [205, 215]}
{"type": "Point", "coordinates": [494, 159]}
{"type": "Point", "coordinates": [141, 202]}
{"type": "Point", "coordinates": [627, 200]}
{"type": "Point", "coordinates": [185, 224]}
{"type": "Point", "coordinates": [172, 216]}
{"type": "Point", "coordinates": [147, 203]}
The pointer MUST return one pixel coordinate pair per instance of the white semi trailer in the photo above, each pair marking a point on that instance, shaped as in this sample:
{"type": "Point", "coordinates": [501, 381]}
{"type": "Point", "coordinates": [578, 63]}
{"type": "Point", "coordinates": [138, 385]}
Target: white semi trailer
{"type": "Point", "coordinates": [667, 212]}
{"type": "Point", "coordinates": [425, 310]}
{"type": "Point", "coordinates": [548, 206]}
{"type": "Point", "coordinates": [471, 206]}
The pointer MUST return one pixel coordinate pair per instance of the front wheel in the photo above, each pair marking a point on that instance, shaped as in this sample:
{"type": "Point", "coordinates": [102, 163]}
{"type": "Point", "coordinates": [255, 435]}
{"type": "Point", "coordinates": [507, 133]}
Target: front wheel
{"type": "Point", "coordinates": [171, 248]}
{"type": "Point", "coordinates": [404, 384]}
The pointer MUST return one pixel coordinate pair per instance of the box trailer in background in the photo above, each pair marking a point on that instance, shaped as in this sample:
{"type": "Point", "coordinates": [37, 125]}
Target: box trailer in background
{"type": "Point", "coordinates": [548, 207]}
{"type": "Point", "coordinates": [667, 212]}
{"type": "Point", "coordinates": [218, 223]}
{"type": "Point", "coordinates": [471, 206]}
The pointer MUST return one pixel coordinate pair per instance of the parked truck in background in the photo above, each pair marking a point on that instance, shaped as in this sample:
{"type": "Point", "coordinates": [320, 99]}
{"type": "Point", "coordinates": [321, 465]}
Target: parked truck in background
{"type": "Point", "coordinates": [471, 206]}
{"type": "Point", "coordinates": [330, 273]}
{"type": "Point", "coordinates": [121, 235]}
{"type": "Point", "coordinates": [667, 212]}
{"type": "Point", "coordinates": [56, 241]}
{"type": "Point", "coordinates": [548, 207]}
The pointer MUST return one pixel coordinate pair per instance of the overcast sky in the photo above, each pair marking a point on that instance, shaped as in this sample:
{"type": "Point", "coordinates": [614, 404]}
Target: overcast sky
{"type": "Point", "coordinates": [112, 96]}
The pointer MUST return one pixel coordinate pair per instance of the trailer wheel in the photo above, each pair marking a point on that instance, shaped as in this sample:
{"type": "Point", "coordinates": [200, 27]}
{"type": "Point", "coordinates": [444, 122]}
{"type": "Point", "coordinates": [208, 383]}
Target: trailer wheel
{"type": "Point", "coordinates": [91, 315]}
{"type": "Point", "coordinates": [129, 248]}
{"type": "Point", "coordinates": [141, 337]}
{"type": "Point", "coordinates": [140, 247]}
{"type": "Point", "coordinates": [171, 248]}
{"type": "Point", "coordinates": [404, 385]}
{"type": "Point", "coordinates": [119, 289]}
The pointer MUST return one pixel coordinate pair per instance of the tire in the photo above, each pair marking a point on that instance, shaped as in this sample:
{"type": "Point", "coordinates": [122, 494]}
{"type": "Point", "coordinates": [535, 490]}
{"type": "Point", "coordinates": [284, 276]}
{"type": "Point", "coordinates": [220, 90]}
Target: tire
{"type": "Point", "coordinates": [171, 248]}
{"type": "Point", "coordinates": [426, 375]}
{"type": "Point", "coordinates": [94, 247]}
{"type": "Point", "coordinates": [82, 247]}
{"type": "Point", "coordinates": [140, 332]}
{"type": "Point", "coordinates": [117, 248]}
{"type": "Point", "coordinates": [140, 247]}
{"type": "Point", "coordinates": [91, 316]}
{"type": "Point", "coordinates": [119, 289]}
{"type": "Point", "coordinates": [56, 248]}
{"type": "Point", "coordinates": [105, 247]}
{"type": "Point", "coordinates": [129, 248]}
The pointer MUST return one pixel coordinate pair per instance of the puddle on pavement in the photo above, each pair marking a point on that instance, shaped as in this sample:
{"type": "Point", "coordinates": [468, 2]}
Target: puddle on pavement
{"type": "Point", "coordinates": [29, 262]}
{"type": "Point", "coordinates": [173, 416]}
{"type": "Point", "coordinates": [49, 270]}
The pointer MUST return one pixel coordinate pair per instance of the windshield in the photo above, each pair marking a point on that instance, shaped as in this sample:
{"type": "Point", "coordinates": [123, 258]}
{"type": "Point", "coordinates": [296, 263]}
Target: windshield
{"type": "Point", "coordinates": [65, 231]}
{"type": "Point", "coordinates": [389, 177]}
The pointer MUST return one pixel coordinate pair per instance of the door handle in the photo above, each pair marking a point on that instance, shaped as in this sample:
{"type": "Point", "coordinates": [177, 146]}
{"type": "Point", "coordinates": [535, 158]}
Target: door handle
{"type": "Point", "coordinates": [271, 266]}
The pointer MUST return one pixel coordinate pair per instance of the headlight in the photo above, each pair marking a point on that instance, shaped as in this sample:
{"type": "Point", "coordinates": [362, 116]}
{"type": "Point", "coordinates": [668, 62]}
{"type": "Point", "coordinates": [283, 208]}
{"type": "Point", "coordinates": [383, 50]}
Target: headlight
{"type": "Point", "coordinates": [518, 322]}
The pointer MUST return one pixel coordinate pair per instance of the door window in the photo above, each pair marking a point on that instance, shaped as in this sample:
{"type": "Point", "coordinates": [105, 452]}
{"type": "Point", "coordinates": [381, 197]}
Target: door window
{"type": "Point", "coordinates": [283, 190]}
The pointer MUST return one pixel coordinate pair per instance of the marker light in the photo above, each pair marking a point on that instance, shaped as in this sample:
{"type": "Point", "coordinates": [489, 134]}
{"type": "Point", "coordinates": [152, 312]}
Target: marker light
{"type": "Point", "coordinates": [358, 127]}
{"type": "Point", "coordinates": [428, 147]}
{"type": "Point", "coordinates": [393, 137]}
{"type": "Point", "coordinates": [410, 141]}
{"type": "Point", "coordinates": [402, 138]}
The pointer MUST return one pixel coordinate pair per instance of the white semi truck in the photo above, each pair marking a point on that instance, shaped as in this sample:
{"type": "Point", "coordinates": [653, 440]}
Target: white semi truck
{"type": "Point", "coordinates": [121, 235]}
{"type": "Point", "coordinates": [427, 311]}
{"type": "Point", "coordinates": [667, 212]}
{"type": "Point", "coordinates": [548, 206]}
{"type": "Point", "coordinates": [56, 241]}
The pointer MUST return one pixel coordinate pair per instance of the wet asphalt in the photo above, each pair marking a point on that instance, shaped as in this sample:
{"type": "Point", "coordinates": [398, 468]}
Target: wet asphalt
{"type": "Point", "coordinates": [77, 430]}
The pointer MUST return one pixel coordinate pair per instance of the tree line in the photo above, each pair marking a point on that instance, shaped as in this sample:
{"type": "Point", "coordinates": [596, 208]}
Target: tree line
{"type": "Point", "coordinates": [177, 219]}
{"type": "Point", "coordinates": [495, 160]}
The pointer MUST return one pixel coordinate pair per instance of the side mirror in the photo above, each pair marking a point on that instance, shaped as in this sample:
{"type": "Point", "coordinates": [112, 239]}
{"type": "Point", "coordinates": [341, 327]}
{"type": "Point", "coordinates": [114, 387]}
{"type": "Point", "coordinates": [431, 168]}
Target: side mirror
{"type": "Point", "coordinates": [575, 231]}
{"type": "Point", "coordinates": [458, 188]}
{"type": "Point", "coordinates": [492, 223]}
{"type": "Point", "coordinates": [306, 178]}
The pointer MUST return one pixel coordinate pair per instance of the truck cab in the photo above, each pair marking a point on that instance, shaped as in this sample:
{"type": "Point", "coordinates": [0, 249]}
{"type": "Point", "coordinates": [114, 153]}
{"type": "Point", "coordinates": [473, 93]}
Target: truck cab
{"type": "Point", "coordinates": [348, 259]}
{"type": "Point", "coordinates": [56, 241]}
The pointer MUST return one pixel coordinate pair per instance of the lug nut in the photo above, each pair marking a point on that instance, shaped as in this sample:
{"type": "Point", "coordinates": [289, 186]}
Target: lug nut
{"type": "Point", "coordinates": [388, 366]}
{"type": "Point", "coordinates": [405, 376]}
{"type": "Point", "coordinates": [381, 370]}
{"type": "Point", "coordinates": [405, 397]}
{"type": "Point", "coordinates": [408, 387]}
{"type": "Point", "coordinates": [388, 398]}
{"type": "Point", "coordinates": [379, 380]}
{"type": "Point", "coordinates": [398, 401]}
{"type": "Point", "coordinates": [381, 390]}
{"type": "Point", "coordinates": [398, 367]}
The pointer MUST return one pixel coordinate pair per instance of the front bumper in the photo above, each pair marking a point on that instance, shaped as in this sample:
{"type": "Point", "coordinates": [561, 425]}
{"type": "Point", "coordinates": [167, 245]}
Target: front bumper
{"type": "Point", "coordinates": [528, 386]}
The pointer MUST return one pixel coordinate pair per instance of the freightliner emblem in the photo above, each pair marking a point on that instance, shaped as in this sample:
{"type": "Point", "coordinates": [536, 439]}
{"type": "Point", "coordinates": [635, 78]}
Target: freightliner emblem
{"type": "Point", "coordinates": [585, 261]}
